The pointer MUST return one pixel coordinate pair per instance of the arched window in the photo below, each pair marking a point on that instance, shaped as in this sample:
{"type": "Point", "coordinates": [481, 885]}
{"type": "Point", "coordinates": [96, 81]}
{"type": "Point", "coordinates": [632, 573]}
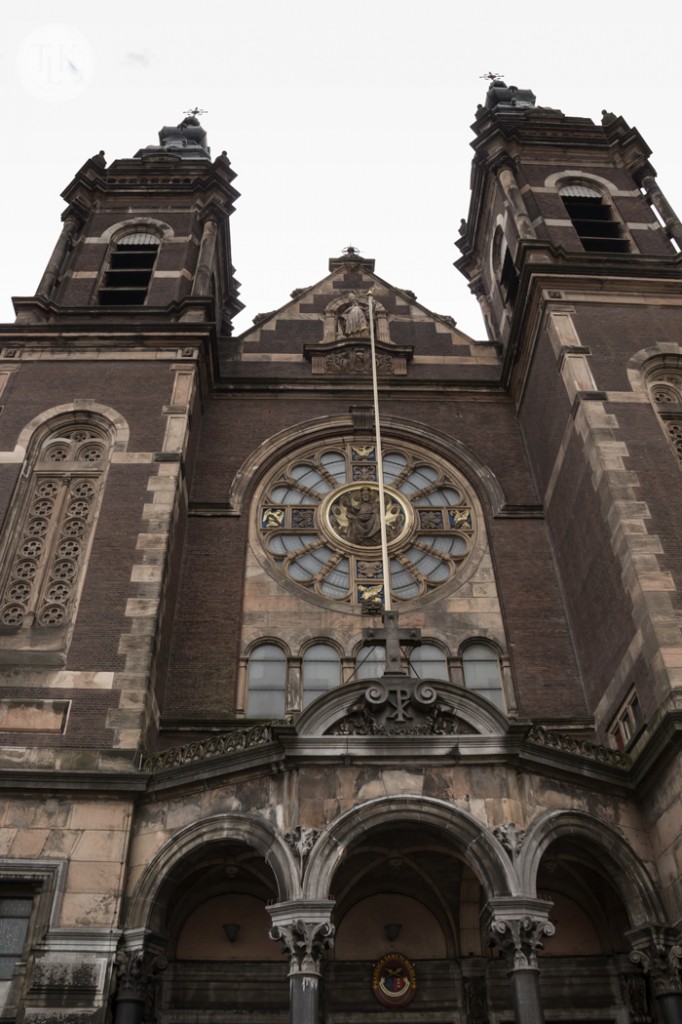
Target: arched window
{"type": "Point", "coordinates": [267, 682]}
{"type": "Point", "coordinates": [429, 662]}
{"type": "Point", "coordinates": [321, 671]}
{"type": "Point", "coordinates": [370, 661]}
{"type": "Point", "coordinates": [48, 538]}
{"type": "Point", "coordinates": [481, 667]}
{"type": "Point", "coordinates": [593, 219]}
{"type": "Point", "coordinates": [665, 389]}
{"type": "Point", "coordinates": [129, 270]}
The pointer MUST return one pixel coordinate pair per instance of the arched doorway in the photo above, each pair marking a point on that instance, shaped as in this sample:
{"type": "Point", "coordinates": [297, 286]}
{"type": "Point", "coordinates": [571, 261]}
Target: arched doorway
{"type": "Point", "coordinates": [222, 966]}
{"type": "Point", "coordinates": [407, 913]}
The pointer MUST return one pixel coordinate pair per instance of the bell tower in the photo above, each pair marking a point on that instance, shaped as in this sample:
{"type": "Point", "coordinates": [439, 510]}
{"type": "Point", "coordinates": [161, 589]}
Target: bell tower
{"type": "Point", "coordinates": [574, 254]}
{"type": "Point", "coordinates": [145, 238]}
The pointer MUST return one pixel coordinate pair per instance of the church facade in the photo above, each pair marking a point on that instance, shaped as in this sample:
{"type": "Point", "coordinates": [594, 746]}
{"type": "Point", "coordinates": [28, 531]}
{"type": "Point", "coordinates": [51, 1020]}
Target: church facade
{"type": "Point", "coordinates": [250, 777]}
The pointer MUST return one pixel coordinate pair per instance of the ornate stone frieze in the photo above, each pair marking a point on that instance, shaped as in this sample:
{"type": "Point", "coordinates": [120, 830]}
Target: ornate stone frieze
{"type": "Point", "coordinates": [354, 358]}
{"type": "Point", "coordinates": [404, 707]}
{"type": "Point", "coordinates": [204, 750]}
{"type": "Point", "coordinates": [583, 748]}
{"type": "Point", "coordinates": [660, 957]}
{"type": "Point", "coordinates": [305, 942]}
{"type": "Point", "coordinates": [519, 939]}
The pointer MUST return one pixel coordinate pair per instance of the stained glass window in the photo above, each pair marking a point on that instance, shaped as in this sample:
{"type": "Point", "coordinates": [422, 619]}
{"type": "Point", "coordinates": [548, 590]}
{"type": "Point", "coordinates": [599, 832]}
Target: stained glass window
{"type": "Point", "coordinates": [320, 521]}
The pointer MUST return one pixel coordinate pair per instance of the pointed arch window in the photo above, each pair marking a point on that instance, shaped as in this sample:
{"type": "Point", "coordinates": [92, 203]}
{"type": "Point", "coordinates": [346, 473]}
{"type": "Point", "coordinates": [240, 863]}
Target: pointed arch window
{"type": "Point", "coordinates": [593, 219]}
{"type": "Point", "coordinates": [665, 390]}
{"type": "Point", "coordinates": [129, 270]}
{"type": "Point", "coordinates": [482, 672]}
{"type": "Point", "coordinates": [49, 540]}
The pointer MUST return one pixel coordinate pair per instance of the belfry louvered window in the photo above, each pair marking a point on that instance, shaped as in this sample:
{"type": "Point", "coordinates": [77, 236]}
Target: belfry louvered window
{"type": "Point", "coordinates": [593, 219]}
{"type": "Point", "coordinates": [49, 539]}
{"type": "Point", "coordinates": [129, 270]}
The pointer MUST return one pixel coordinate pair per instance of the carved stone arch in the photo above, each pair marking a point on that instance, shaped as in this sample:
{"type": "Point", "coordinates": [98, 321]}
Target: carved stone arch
{"type": "Point", "coordinates": [472, 841]}
{"type": "Point", "coordinates": [476, 715]}
{"type": "Point", "coordinates": [122, 227]}
{"type": "Point", "coordinates": [309, 638]}
{"type": "Point", "coordinates": [568, 177]}
{"type": "Point", "coordinates": [146, 904]}
{"type": "Point", "coordinates": [266, 638]}
{"type": "Point", "coordinates": [70, 413]}
{"type": "Point", "coordinates": [630, 877]}
{"type": "Point", "coordinates": [479, 475]}
{"type": "Point", "coordinates": [648, 360]}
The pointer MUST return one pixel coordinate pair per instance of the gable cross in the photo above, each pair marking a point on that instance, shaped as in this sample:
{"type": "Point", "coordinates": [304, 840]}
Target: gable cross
{"type": "Point", "coordinates": [392, 637]}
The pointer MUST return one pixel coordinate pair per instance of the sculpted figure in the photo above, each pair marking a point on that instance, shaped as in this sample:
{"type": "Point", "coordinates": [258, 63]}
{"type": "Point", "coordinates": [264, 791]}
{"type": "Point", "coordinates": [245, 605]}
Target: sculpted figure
{"type": "Point", "coordinates": [354, 319]}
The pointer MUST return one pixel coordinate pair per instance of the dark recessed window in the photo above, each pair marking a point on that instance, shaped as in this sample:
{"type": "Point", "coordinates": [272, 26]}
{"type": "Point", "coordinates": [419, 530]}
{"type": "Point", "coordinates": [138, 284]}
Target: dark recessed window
{"type": "Point", "coordinates": [593, 219]}
{"type": "Point", "coordinates": [127, 277]}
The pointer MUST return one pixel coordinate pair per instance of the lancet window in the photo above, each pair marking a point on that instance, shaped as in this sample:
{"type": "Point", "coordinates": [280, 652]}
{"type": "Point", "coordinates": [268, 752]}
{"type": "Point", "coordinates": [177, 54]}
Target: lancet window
{"type": "Point", "coordinates": [665, 388]}
{"type": "Point", "coordinates": [48, 543]}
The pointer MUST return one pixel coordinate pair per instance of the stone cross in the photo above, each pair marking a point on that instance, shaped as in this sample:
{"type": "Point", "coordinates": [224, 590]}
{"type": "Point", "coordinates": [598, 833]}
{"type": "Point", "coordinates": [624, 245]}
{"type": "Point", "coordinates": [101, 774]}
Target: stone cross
{"type": "Point", "coordinates": [392, 637]}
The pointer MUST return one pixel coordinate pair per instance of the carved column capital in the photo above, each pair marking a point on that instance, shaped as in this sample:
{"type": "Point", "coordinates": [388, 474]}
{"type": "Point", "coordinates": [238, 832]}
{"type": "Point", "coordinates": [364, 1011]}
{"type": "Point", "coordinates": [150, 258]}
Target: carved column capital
{"type": "Point", "coordinates": [659, 954]}
{"type": "Point", "coordinates": [517, 926]}
{"type": "Point", "coordinates": [137, 973]}
{"type": "Point", "coordinates": [305, 942]}
{"type": "Point", "coordinates": [520, 938]}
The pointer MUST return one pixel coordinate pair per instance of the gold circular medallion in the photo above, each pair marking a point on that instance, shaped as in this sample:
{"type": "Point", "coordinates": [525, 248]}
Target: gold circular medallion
{"type": "Point", "coordinates": [352, 516]}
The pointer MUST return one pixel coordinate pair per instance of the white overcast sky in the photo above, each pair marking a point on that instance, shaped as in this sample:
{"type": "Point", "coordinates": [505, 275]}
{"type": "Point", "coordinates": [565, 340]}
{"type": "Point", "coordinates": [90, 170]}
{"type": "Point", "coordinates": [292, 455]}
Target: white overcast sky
{"type": "Point", "coordinates": [347, 123]}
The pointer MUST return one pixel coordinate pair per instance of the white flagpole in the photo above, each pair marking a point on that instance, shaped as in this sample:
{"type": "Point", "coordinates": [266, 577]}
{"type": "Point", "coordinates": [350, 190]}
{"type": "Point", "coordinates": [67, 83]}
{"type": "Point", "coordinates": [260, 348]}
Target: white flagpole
{"type": "Point", "coordinates": [386, 569]}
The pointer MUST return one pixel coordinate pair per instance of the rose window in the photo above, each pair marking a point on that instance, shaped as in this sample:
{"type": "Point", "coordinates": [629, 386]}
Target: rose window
{"type": "Point", "coordinates": [320, 522]}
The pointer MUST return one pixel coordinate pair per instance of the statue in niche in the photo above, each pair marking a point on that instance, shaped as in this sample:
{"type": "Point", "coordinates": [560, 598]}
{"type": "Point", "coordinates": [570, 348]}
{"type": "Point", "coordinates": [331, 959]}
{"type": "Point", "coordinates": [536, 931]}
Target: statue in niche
{"type": "Point", "coordinates": [353, 320]}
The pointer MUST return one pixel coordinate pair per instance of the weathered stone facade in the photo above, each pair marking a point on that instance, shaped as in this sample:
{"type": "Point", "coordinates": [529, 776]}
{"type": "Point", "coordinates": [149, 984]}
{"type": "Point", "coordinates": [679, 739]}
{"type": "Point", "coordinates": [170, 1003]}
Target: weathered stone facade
{"type": "Point", "coordinates": [234, 790]}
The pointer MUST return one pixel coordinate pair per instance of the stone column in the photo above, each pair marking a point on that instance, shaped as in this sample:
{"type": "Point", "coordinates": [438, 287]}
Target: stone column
{"type": "Point", "coordinates": [665, 210]}
{"type": "Point", "coordinates": [517, 926]}
{"type": "Point", "coordinates": [57, 258]}
{"type": "Point", "coordinates": [305, 930]}
{"type": "Point", "coordinates": [138, 972]}
{"type": "Point", "coordinates": [504, 170]}
{"type": "Point", "coordinates": [204, 272]}
{"type": "Point", "coordinates": [660, 956]}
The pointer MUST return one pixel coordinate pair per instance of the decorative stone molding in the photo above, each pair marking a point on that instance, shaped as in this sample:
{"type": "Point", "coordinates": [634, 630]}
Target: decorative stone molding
{"type": "Point", "coordinates": [510, 837]}
{"type": "Point", "coordinates": [582, 748]}
{"type": "Point", "coordinates": [137, 973]}
{"type": "Point", "coordinates": [400, 707]}
{"type": "Point", "coordinates": [476, 1000]}
{"type": "Point", "coordinates": [354, 358]}
{"type": "Point", "coordinates": [305, 942]}
{"type": "Point", "coordinates": [203, 750]}
{"type": "Point", "coordinates": [660, 957]}
{"type": "Point", "coordinates": [633, 990]}
{"type": "Point", "coordinates": [301, 840]}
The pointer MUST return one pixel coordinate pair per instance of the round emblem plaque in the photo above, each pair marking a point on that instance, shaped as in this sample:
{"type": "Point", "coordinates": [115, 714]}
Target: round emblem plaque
{"type": "Point", "coordinates": [394, 980]}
